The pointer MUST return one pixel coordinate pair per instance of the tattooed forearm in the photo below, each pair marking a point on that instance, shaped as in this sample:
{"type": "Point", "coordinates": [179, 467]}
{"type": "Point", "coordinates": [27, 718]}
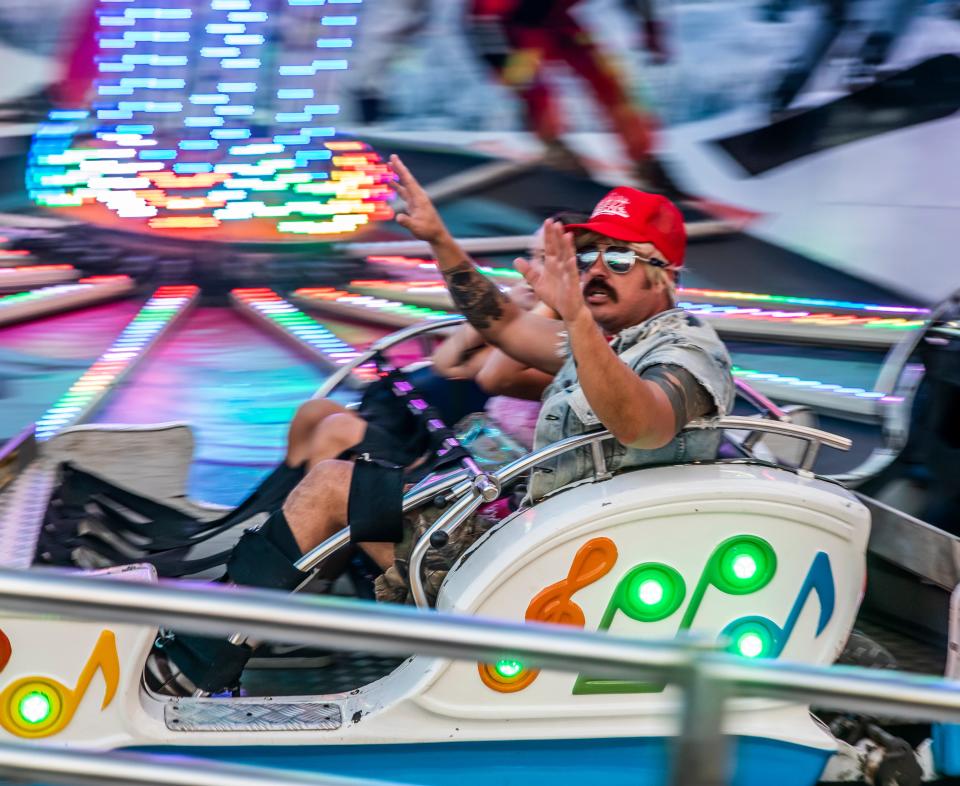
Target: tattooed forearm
{"type": "Point", "coordinates": [475, 295]}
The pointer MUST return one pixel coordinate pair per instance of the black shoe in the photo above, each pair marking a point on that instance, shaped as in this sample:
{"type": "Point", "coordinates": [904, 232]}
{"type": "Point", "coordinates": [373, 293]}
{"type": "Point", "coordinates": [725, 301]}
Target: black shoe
{"type": "Point", "coordinates": [163, 677]}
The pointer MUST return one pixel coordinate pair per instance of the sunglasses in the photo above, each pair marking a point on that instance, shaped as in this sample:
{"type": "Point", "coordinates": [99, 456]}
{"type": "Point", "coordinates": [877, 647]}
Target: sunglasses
{"type": "Point", "coordinates": [618, 259]}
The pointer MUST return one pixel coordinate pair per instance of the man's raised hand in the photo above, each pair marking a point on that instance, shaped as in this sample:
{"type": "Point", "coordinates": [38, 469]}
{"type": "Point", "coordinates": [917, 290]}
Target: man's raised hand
{"type": "Point", "coordinates": [555, 280]}
{"type": "Point", "coordinates": [420, 218]}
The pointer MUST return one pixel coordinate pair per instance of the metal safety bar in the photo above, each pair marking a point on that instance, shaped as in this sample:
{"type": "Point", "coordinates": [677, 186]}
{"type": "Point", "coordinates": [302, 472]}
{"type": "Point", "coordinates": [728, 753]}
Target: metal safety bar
{"type": "Point", "coordinates": [332, 382]}
{"type": "Point", "coordinates": [338, 623]}
{"type": "Point", "coordinates": [73, 768]}
{"type": "Point", "coordinates": [438, 534]}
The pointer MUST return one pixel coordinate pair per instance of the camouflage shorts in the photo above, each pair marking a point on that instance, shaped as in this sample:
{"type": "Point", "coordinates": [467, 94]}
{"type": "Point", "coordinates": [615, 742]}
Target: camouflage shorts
{"type": "Point", "coordinates": [394, 585]}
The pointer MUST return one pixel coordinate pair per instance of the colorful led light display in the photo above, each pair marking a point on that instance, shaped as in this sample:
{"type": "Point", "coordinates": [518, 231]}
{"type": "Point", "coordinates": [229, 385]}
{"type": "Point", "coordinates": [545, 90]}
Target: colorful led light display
{"type": "Point", "coordinates": [137, 337]}
{"type": "Point", "coordinates": [207, 115]}
{"type": "Point", "coordinates": [43, 301]}
{"type": "Point", "coordinates": [267, 304]}
{"type": "Point", "coordinates": [31, 275]}
{"type": "Point", "coordinates": [872, 330]}
{"type": "Point", "coordinates": [695, 294]}
{"type": "Point", "coordinates": [806, 302]}
{"type": "Point", "coordinates": [369, 306]}
{"type": "Point", "coordinates": [725, 312]}
{"type": "Point", "coordinates": [786, 383]}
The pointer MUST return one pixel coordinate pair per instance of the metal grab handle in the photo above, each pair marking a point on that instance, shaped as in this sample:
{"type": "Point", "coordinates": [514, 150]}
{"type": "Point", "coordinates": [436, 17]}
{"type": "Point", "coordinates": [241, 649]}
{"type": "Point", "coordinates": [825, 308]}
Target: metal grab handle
{"type": "Point", "coordinates": [449, 521]}
{"type": "Point", "coordinates": [814, 437]}
{"type": "Point", "coordinates": [337, 378]}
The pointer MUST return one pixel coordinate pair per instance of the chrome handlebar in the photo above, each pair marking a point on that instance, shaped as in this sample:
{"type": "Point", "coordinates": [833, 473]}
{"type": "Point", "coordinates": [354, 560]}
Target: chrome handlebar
{"type": "Point", "coordinates": [342, 374]}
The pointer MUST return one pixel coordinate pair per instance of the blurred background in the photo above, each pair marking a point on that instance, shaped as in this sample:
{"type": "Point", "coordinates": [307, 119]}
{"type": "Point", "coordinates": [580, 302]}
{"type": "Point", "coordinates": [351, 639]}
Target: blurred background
{"type": "Point", "coordinates": [234, 151]}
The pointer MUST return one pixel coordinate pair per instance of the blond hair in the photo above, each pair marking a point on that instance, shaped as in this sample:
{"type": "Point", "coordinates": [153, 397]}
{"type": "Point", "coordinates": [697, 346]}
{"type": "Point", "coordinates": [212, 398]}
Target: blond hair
{"type": "Point", "coordinates": [656, 276]}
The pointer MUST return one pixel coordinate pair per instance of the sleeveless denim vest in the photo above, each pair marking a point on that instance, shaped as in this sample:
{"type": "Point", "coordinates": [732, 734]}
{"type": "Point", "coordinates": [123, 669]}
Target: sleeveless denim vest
{"type": "Point", "coordinates": [671, 337]}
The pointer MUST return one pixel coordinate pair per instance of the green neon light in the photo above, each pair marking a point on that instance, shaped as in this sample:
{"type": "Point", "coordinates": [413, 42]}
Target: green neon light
{"type": "Point", "coordinates": [754, 637]}
{"type": "Point", "coordinates": [35, 708]}
{"type": "Point", "coordinates": [508, 669]}
{"type": "Point", "coordinates": [750, 645]}
{"type": "Point", "coordinates": [648, 593]}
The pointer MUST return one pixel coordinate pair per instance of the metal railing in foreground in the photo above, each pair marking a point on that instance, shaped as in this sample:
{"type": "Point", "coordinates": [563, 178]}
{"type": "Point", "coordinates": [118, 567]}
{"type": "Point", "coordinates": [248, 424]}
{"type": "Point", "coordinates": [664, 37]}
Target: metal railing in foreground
{"type": "Point", "coordinates": [705, 676]}
{"type": "Point", "coordinates": [73, 768]}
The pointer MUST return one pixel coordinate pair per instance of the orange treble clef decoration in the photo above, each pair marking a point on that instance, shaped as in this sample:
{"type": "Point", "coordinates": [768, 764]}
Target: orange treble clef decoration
{"type": "Point", "coordinates": [593, 560]}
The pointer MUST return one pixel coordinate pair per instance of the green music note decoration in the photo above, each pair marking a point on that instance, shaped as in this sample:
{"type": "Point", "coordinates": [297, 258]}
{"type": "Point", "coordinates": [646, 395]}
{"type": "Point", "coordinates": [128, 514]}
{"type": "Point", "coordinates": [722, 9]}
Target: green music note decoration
{"type": "Point", "coordinates": [649, 592]}
{"type": "Point", "coordinates": [740, 565]}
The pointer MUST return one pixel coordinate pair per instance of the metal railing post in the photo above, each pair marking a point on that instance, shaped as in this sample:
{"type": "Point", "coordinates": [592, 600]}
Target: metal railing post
{"type": "Point", "coordinates": [701, 754]}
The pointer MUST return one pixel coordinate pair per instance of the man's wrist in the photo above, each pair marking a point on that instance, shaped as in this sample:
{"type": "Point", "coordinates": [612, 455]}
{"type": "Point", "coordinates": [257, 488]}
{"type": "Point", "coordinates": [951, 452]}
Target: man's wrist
{"type": "Point", "coordinates": [580, 321]}
{"type": "Point", "coordinates": [444, 245]}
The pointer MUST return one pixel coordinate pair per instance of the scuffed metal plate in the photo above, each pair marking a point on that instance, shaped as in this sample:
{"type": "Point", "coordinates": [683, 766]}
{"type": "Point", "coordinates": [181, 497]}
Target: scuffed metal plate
{"type": "Point", "coordinates": [251, 715]}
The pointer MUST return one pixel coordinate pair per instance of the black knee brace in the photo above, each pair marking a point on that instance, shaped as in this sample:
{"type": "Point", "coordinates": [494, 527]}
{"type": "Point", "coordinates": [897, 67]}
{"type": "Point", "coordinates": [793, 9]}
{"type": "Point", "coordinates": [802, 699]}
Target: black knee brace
{"type": "Point", "coordinates": [375, 505]}
{"type": "Point", "coordinates": [264, 557]}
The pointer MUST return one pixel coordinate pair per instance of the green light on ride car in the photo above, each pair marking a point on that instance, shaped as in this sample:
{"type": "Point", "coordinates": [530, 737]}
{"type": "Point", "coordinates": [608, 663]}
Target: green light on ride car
{"type": "Point", "coordinates": [650, 592]}
{"type": "Point", "coordinates": [744, 566]}
{"type": "Point", "coordinates": [508, 669]}
{"type": "Point", "coordinates": [750, 645]}
{"type": "Point", "coordinates": [35, 707]}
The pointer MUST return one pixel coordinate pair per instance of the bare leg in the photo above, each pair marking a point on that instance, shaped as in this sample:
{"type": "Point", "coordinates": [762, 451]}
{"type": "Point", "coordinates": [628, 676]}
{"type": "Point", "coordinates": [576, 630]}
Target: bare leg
{"type": "Point", "coordinates": [303, 425]}
{"type": "Point", "coordinates": [317, 507]}
{"type": "Point", "coordinates": [381, 553]}
{"type": "Point", "coordinates": [335, 434]}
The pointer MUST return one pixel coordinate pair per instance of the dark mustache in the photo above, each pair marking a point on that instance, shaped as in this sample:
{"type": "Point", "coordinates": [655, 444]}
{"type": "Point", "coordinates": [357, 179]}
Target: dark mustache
{"type": "Point", "coordinates": [599, 285]}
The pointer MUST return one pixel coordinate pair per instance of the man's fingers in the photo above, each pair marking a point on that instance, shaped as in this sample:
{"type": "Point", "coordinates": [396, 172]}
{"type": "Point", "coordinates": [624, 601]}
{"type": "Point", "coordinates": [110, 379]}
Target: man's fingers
{"type": "Point", "coordinates": [569, 248]}
{"type": "Point", "coordinates": [407, 180]}
{"type": "Point", "coordinates": [403, 220]}
{"type": "Point", "coordinates": [528, 269]}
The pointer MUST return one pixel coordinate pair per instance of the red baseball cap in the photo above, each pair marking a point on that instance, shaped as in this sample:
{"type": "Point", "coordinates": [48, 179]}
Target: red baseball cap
{"type": "Point", "coordinates": [638, 217]}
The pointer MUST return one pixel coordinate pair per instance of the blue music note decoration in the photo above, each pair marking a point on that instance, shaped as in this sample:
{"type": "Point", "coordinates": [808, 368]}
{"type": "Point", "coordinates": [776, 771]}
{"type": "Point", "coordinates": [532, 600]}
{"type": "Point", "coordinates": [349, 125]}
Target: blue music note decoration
{"type": "Point", "coordinates": [759, 637]}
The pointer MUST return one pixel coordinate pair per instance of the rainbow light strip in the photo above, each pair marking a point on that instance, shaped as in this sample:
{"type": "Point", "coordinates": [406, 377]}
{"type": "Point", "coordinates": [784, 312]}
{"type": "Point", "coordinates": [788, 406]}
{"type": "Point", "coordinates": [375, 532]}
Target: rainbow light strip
{"type": "Point", "coordinates": [390, 312]}
{"type": "Point", "coordinates": [430, 264]}
{"type": "Point", "coordinates": [46, 300]}
{"type": "Point", "coordinates": [776, 385]}
{"type": "Point", "coordinates": [304, 329]}
{"type": "Point", "coordinates": [11, 253]}
{"type": "Point", "coordinates": [211, 112]}
{"type": "Point", "coordinates": [713, 311]}
{"type": "Point", "coordinates": [785, 382]}
{"type": "Point", "coordinates": [806, 302]}
{"type": "Point", "coordinates": [157, 315]}
{"type": "Point", "coordinates": [687, 292]}
{"type": "Point", "coordinates": [31, 275]}
{"type": "Point", "coordinates": [750, 322]}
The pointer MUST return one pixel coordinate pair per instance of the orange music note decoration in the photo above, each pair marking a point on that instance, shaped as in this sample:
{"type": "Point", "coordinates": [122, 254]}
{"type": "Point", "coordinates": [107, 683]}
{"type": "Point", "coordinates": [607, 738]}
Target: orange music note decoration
{"type": "Point", "coordinates": [593, 560]}
{"type": "Point", "coordinates": [41, 706]}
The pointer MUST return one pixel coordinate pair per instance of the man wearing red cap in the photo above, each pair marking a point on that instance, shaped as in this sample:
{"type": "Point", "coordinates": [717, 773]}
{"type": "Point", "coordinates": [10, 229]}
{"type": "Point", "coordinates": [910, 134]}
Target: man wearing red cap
{"type": "Point", "coordinates": [625, 358]}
